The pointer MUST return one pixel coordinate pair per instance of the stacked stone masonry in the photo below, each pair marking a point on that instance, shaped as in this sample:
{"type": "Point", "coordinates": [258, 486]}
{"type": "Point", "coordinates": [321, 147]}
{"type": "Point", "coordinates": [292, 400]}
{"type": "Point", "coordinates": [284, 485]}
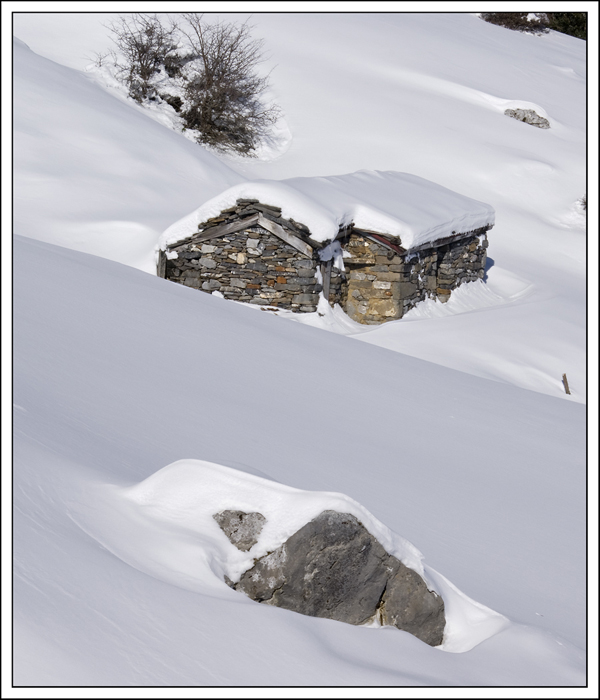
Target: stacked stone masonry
{"type": "Point", "coordinates": [383, 283]}
{"type": "Point", "coordinates": [254, 265]}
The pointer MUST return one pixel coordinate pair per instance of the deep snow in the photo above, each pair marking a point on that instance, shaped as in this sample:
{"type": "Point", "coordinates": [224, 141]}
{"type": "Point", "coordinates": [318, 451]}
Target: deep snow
{"type": "Point", "coordinates": [118, 374]}
{"type": "Point", "coordinates": [104, 177]}
{"type": "Point", "coordinates": [397, 204]}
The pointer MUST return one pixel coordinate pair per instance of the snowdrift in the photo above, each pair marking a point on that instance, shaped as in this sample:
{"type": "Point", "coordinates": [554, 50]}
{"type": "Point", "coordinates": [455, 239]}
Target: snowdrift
{"type": "Point", "coordinates": [165, 527]}
{"type": "Point", "coordinates": [398, 204]}
{"type": "Point", "coordinates": [92, 172]}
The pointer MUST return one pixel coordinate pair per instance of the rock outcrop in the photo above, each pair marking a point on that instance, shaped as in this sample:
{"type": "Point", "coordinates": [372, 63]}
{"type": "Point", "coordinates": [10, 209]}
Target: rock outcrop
{"type": "Point", "coordinates": [529, 116]}
{"type": "Point", "coordinates": [334, 568]}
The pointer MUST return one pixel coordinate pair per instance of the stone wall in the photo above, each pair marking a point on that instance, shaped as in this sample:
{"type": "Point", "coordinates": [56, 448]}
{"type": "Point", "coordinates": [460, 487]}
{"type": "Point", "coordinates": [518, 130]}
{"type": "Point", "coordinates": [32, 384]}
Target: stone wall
{"type": "Point", "coordinates": [383, 284]}
{"type": "Point", "coordinates": [460, 262]}
{"type": "Point", "coordinates": [251, 265]}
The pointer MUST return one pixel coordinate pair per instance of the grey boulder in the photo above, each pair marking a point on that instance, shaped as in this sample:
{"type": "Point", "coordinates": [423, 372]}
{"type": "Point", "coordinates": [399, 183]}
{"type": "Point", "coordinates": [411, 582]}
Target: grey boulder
{"type": "Point", "coordinates": [334, 568]}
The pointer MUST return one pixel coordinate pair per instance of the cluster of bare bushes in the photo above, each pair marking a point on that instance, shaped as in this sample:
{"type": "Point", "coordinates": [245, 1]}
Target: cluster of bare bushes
{"type": "Point", "coordinates": [206, 70]}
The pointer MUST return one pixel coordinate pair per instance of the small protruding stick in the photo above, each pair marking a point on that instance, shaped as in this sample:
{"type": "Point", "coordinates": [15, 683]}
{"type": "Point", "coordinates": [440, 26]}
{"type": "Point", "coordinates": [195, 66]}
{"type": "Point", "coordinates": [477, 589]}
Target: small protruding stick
{"type": "Point", "coordinates": [566, 384]}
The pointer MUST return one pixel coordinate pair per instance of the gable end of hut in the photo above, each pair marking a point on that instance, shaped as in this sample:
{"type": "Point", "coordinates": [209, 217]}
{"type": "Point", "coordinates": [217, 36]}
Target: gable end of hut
{"type": "Point", "coordinates": [250, 253]}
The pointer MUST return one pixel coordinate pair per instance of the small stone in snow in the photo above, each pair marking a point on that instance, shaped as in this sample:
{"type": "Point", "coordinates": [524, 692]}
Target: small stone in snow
{"type": "Point", "coordinates": [242, 529]}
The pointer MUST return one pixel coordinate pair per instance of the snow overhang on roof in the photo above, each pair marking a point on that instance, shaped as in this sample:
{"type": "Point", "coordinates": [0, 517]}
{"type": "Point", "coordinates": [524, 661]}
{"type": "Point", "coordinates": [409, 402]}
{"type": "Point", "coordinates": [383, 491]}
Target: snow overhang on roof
{"type": "Point", "coordinates": [408, 209]}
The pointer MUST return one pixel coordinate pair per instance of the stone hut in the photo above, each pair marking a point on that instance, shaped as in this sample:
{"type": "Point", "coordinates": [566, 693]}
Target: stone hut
{"type": "Point", "coordinates": [255, 251]}
{"type": "Point", "coordinates": [251, 253]}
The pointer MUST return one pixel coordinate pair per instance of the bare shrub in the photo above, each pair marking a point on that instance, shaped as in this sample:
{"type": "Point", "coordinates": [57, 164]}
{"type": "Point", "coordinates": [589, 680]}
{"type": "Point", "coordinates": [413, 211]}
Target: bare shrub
{"type": "Point", "coordinates": [143, 44]}
{"type": "Point", "coordinates": [101, 58]}
{"type": "Point", "coordinates": [223, 92]}
{"type": "Point", "coordinates": [206, 71]}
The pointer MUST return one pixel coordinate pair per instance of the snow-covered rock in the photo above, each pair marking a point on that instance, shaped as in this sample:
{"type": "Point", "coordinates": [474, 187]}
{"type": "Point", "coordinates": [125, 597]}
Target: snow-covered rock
{"type": "Point", "coordinates": [529, 116]}
{"type": "Point", "coordinates": [334, 568]}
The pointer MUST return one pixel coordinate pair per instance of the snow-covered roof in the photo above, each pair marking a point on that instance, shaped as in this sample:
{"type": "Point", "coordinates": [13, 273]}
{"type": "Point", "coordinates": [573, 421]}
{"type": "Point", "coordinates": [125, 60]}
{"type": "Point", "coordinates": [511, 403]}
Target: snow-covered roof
{"type": "Point", "coordinates": [401, 205]}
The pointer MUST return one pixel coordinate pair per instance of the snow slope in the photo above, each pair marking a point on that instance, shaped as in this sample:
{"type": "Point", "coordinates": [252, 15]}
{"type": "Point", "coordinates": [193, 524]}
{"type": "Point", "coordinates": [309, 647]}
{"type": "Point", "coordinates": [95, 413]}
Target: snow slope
{"type": "Point", "coordinates": [119, 374]}
{"type": "Point", "coordinates": [94, 173]}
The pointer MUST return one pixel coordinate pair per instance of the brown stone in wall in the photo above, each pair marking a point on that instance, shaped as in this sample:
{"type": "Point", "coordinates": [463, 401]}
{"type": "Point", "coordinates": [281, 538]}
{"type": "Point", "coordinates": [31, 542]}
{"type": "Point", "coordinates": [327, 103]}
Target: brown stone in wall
{"type": "Point", "coordinates": [427, 273]}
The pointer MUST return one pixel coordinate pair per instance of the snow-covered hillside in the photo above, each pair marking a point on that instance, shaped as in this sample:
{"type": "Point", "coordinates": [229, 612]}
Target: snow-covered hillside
{"type": "Point", "coordinates": [119, 374]}
{"type": "Point", "coordinates": [422, 94]}
{"type": "Point", "coordinates": [451, 427]}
